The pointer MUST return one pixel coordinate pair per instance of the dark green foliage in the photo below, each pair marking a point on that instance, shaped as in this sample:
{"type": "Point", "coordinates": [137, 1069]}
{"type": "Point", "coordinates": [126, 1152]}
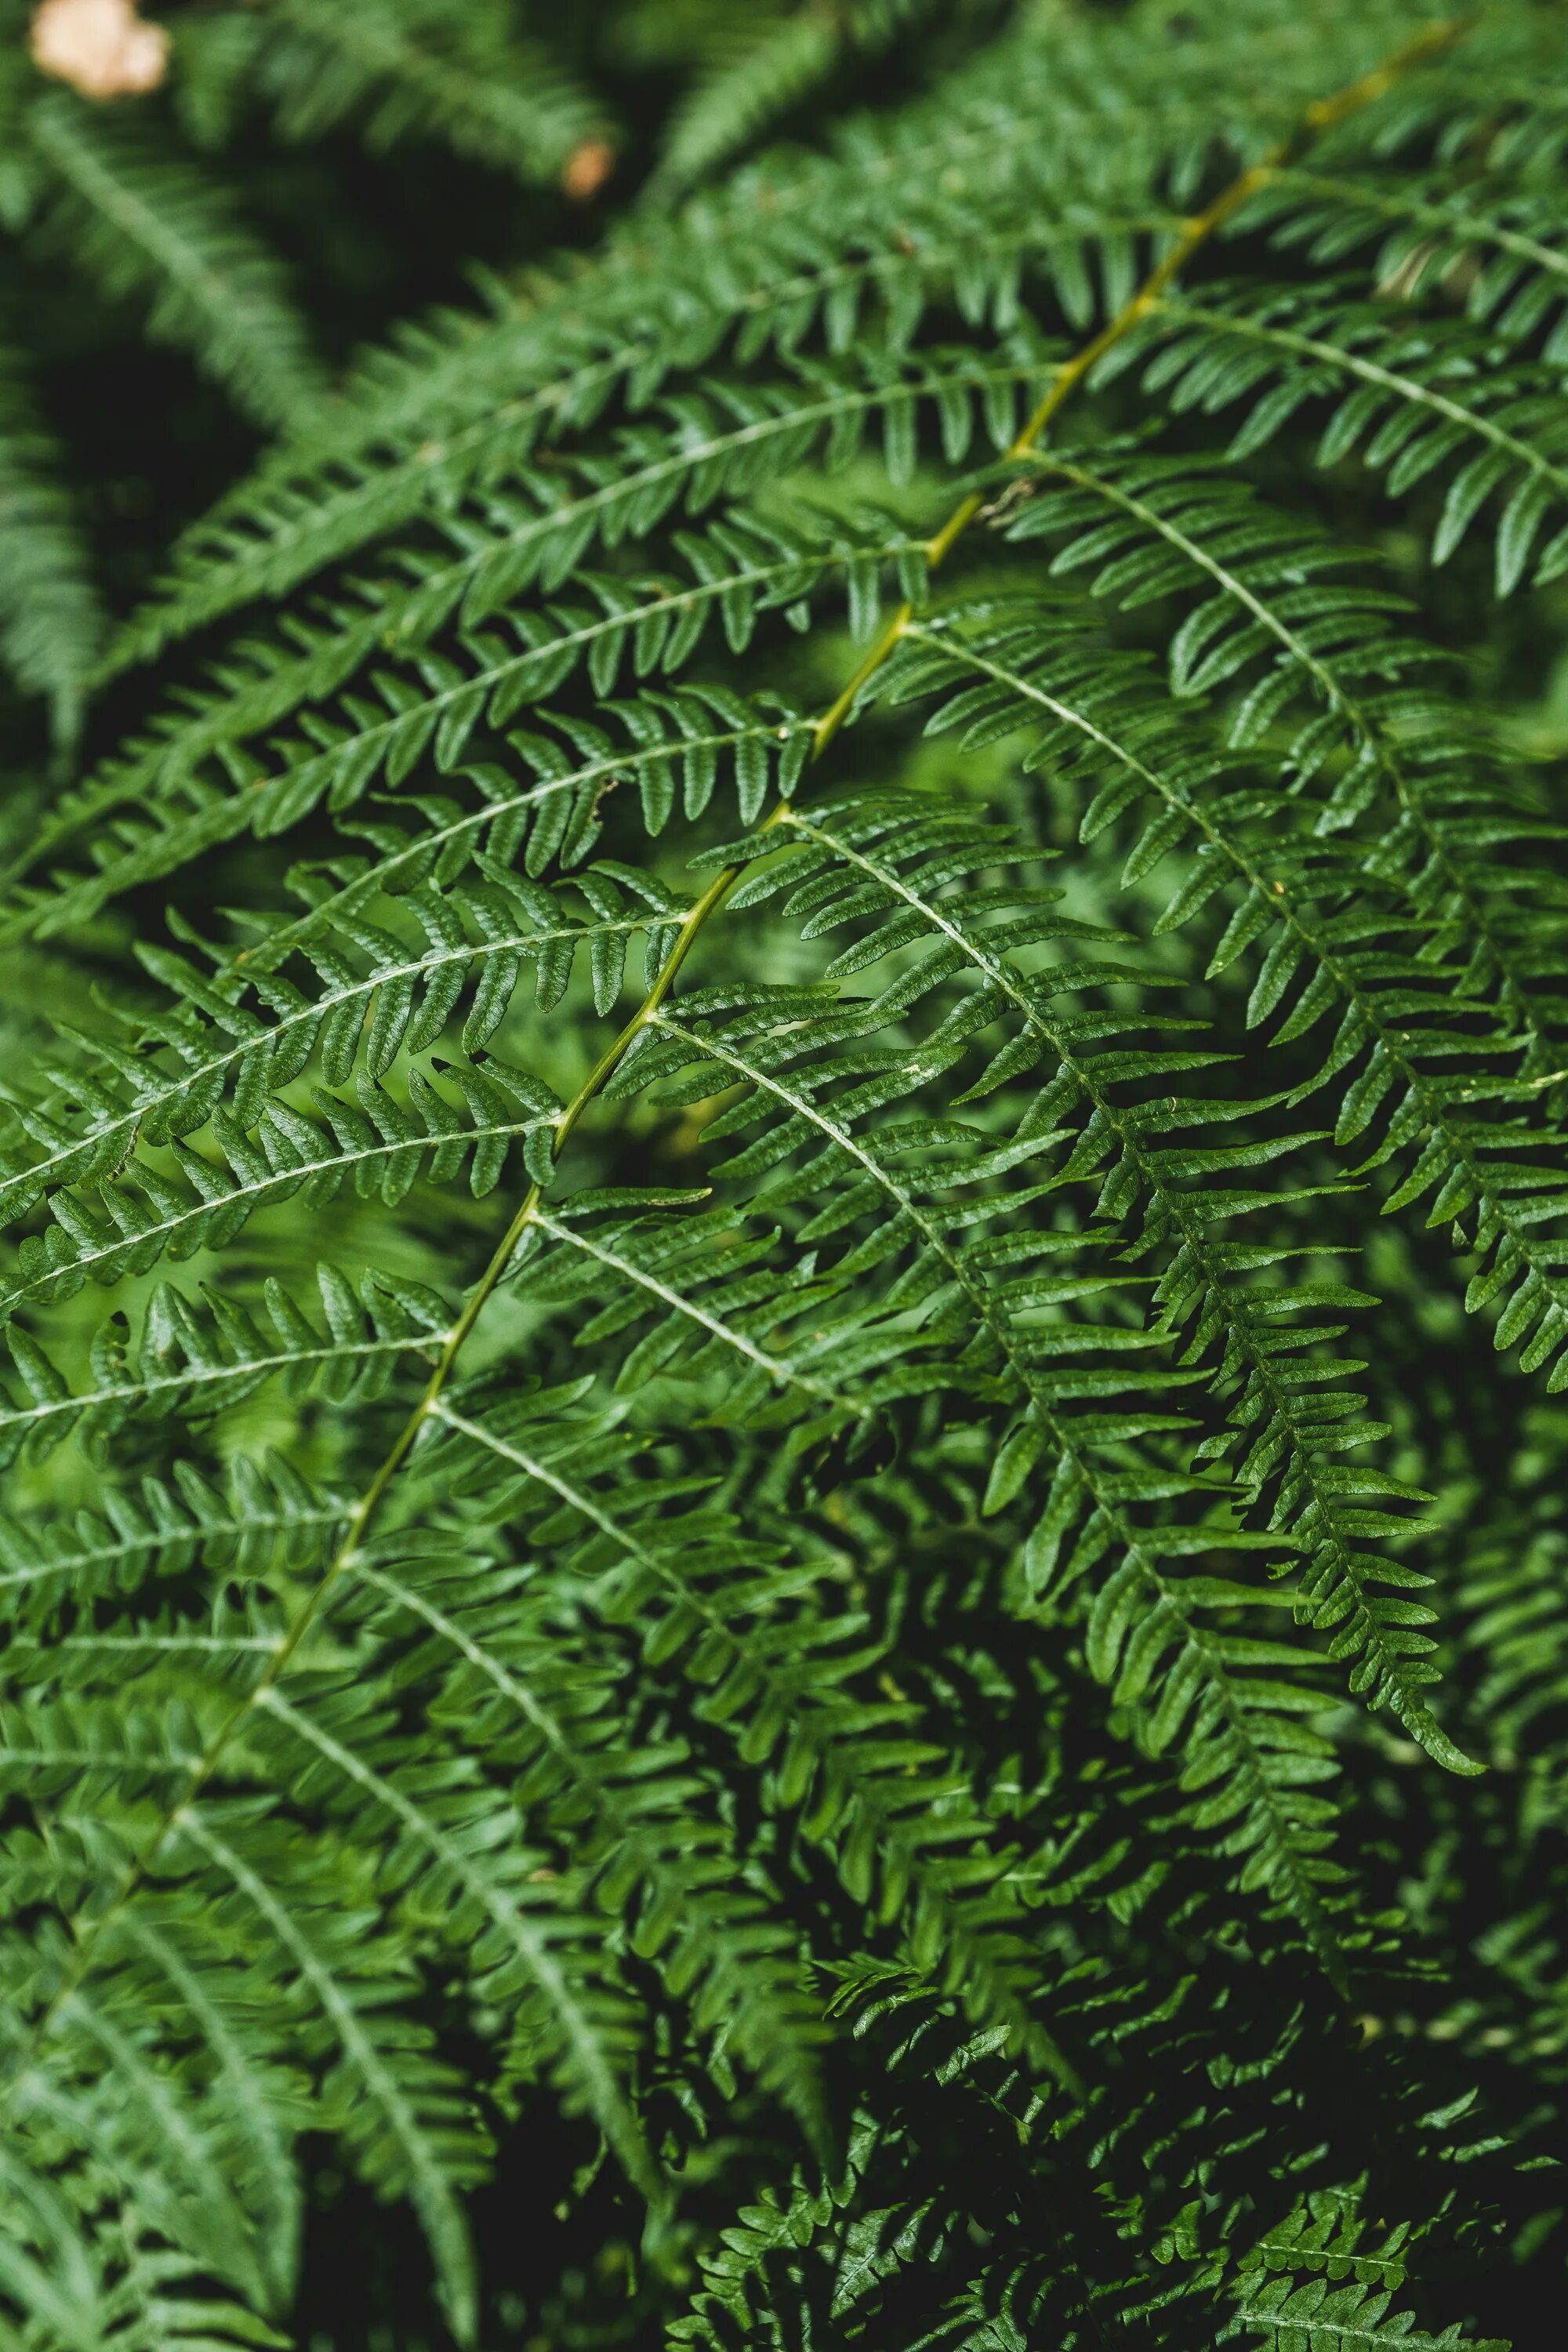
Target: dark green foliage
{"type": "Point", "coordinates": [786, 1287]}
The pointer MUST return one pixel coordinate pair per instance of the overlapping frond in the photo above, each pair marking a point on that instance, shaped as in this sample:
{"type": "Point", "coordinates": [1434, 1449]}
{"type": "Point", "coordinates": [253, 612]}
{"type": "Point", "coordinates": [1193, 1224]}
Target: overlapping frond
{"type": "Point", "coordinates": [50, 623]}
{"type": "Point", "coordinates": [379, 1141]}
{"type": "Point", "coordinates": [1058, 154]}
{"type": "Point", "coordinates": [199, 770]}
{"type": "Point", "coordinates": [190, 1364]}
{"type": "Point", "coordinates": [1451, 904]}
{"type": "Point", "coordinates": [1425, 402]}
{"type": "Point", "coordinates": [148, 224]}
{"type": "Point", "coordinates": [762, 71]}
{"type": "Point", "coordinates": [400, 69]}
{"type": "Point", "coordinates": [263, 1515]}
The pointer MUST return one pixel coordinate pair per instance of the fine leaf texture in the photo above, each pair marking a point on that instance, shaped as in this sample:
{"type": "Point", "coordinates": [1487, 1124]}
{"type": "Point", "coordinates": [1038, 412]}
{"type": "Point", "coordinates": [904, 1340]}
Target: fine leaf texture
{"type": "Point", "coordinates": [783, 1222]}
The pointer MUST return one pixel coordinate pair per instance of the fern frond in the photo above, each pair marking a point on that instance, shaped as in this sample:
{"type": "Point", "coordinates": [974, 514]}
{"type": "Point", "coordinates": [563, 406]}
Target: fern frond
{"type": "Point", "coordinates": [414, 67]}
{"type": "Point", "coordinates": [881, 1803]}
{"type": "Point", "coordinates": [379, 1143]}
{"type": "Point", "coordinates": [1416, 408]}
{"type": "Point", "coordinates": [508, 1919]}
{"type": "Point", "coordinates": [702, 445]}
{"type": "Point", "coordinates": [1427, 235]}
{"type": "Point", "coordinates": [190, 1365]}
{"type": "Point", "coordinates": [1079, 107]}
{"type": "Point", "coordinates": [50, 623]}
{"type": "Point", "coordinates": [741, 568]}
{"type": "Point", "coordinates": [768, 69]}
{"type": "Point", "coordinates": [1289, 1433]}
{"type": "Point", "coordinates": [1324, 2318]}
{"type": "Point", "coordinates": [147, 223]}
{"type": "Point", "coordinates": [379, 994]}
{"type": "Point", "coordinates": [1456, 898]}
{"type": "Point", "coordinates": [397, 2106]}
{"type": "Point", "coordinates": [695, 1914]}
{"type": "Point", "coordinates": [268, 1521]}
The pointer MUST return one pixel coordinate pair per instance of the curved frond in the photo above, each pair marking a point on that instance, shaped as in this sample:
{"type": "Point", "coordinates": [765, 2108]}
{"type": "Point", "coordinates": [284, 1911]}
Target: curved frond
{"type": "Point", "coordinates": [148, 224]}
{"type": "Point", "coordinates": [50, 623]}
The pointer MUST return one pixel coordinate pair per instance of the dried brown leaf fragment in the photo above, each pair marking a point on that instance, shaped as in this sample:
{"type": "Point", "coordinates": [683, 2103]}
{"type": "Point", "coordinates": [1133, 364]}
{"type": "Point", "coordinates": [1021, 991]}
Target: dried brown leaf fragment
{"type": "Point", "coordinates": [102, 47]}
{"type": "Point", "coordinates": [587, 168]}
